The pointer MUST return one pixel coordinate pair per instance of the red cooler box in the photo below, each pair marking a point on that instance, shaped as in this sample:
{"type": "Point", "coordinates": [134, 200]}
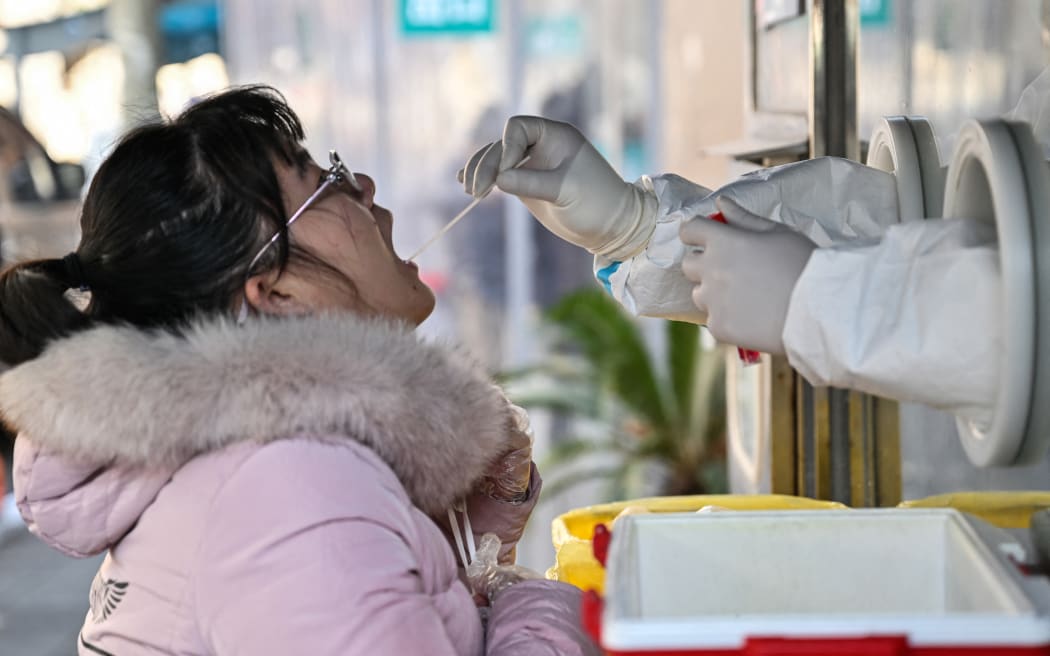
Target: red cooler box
{"type": "Point", "coordinates": [895, 581]}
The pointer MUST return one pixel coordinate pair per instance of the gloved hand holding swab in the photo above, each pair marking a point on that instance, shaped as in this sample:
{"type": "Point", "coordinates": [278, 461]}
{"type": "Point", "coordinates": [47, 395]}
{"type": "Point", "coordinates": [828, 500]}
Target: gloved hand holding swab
{"type": "Point", "coordinates": [456, 219]}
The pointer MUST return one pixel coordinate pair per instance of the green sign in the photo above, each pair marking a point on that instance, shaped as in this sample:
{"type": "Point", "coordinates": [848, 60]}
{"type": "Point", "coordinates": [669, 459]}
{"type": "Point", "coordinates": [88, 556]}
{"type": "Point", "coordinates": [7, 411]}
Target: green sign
{"type": "Point", "coordinates": [874, 12]}
{"type": "Point", "coordinates": [437, 17]}
{"type": "Point", "coordinates": [559, 36]}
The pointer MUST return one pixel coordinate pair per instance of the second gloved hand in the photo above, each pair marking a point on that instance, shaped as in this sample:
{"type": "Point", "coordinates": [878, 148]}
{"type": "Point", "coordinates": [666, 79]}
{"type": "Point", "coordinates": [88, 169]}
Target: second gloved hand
{"type": "Point", "coordinates": [745, 272]}
{"type": "Point", "coordinates": [567, 185]}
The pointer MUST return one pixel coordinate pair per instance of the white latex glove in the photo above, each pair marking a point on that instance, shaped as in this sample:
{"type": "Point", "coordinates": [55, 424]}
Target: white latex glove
{"type": "Point", "coordinates": [745, 271]}
{"type": "Point", "coordinates": [567, 185]}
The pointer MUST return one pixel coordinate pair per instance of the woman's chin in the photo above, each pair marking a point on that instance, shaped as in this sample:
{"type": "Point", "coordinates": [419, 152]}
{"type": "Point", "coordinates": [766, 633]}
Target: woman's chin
{"type": "Point", "coordinates": [426, 305]}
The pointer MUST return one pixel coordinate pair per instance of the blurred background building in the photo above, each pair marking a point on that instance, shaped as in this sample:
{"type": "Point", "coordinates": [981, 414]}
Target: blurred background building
{"type": "Point", "coordinates": [406, 90]}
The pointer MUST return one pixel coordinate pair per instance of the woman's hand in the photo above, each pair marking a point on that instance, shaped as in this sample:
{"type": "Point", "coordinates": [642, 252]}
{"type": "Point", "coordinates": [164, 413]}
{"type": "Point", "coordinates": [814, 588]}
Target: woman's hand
{"type": "Point", "coordinates": [508, 479]}
{"type": "Point", "coordinates": [503, 499]}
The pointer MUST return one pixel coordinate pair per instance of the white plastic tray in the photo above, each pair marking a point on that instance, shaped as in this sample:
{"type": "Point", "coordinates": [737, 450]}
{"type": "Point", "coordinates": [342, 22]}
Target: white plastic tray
{"type": "Point", "coordinates": [687, 581]}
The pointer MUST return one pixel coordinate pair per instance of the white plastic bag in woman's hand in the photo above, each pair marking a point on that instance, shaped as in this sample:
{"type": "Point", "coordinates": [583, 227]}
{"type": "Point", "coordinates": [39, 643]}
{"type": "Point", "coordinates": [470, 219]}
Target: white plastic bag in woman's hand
{"type": "Point", "coordinates": [487, 577]}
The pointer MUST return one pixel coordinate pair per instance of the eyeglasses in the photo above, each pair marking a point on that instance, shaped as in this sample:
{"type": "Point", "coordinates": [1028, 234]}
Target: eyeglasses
{"type": "Point", "coordinates": [337, 174]}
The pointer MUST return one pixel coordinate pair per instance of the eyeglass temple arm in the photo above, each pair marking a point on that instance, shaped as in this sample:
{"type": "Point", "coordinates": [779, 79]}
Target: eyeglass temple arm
{"type": "Point", "coordinates": [305, 206]}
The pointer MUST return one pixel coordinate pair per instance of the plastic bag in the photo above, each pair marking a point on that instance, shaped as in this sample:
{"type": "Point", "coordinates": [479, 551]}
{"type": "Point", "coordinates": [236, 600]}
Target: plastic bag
{"type": "Point", "coordinates": [487, 577]}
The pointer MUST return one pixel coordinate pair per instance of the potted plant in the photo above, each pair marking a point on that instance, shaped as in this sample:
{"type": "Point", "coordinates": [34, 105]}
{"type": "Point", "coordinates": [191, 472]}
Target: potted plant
{"type": "Point", "coordinates": [642, 418]}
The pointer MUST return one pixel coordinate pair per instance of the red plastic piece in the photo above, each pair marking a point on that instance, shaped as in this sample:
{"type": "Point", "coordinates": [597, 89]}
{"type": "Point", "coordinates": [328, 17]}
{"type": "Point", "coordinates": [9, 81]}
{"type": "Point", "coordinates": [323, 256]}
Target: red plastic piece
{"type": "Point", "coordinates": [874, 646]}
{"type": "Point", "coordinates": [435, 280]}
{"type": "Point", "coordinates": [880, 646]}
{"type": "Point", "coordinates": [600, 543]}
{"type": "Point", "coordinates": [747, 356]}
{"type": "Point", "coordinates": [591, 606]}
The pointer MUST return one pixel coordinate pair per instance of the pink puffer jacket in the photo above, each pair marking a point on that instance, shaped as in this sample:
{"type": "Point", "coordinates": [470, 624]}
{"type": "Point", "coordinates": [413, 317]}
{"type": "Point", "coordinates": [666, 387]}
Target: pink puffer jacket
{"type": "Point", "coordinates": [269, 489]}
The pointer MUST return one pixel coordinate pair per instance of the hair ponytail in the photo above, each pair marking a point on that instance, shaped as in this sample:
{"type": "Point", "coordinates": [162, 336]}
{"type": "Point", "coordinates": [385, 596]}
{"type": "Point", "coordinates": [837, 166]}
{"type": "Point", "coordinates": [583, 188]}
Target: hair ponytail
{"type": "Point", "coordinates": [34, 309]}
{"type": "Point", "coordinates": [168, 227]}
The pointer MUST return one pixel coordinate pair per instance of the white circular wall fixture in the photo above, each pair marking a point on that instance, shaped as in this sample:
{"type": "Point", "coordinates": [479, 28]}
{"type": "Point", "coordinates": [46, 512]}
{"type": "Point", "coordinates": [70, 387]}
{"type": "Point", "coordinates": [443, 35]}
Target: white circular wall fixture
{"type": "Point", "coordinates": [1037, 180]}
{"type": "Point", "coordinates": [892, 149]}
{"type": "Point", "coordinates": [748, 424]}
{"type": "Point", "coordinates": [932, 170]}
{"type": "Point", "coordinates": [986, 181]}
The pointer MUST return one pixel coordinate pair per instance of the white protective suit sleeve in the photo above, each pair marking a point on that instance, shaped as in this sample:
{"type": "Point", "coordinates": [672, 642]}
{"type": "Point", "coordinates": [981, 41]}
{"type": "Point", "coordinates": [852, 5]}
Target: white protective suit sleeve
{"type": "Point", "coordinates": [865, 314]}
{"type": "Point", "coordinates": [651, 284]}
{"type": "Point", "coordinates": [830, 200]}
{"type": "Point", "coordinates": [897, 318]}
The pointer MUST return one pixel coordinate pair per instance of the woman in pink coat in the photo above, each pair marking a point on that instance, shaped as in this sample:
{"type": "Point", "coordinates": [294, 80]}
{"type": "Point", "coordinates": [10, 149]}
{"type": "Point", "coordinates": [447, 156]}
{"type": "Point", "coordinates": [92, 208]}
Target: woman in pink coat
{"type": "Point", "coordinates": [222, 389]}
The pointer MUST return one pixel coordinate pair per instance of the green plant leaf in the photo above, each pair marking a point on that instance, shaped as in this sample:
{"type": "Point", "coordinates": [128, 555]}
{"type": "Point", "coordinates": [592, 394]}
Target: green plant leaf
{"type": "Point", "coordinates": [566, 482]}
{"type": "Point", "coordinates": [613, 345]}
{"type": "Point", "coordinates": [708, 422]}
{"type": "Point", "coordinates": [568, 450]}
{"type": "Point", "coordinates": [683, 355]}
{"type": "Point", "coordinates": [568, 399]}
{"type": "Point", "coordinates": [610, 383]}
{"type": "Point", "coordinates": [556, 365]}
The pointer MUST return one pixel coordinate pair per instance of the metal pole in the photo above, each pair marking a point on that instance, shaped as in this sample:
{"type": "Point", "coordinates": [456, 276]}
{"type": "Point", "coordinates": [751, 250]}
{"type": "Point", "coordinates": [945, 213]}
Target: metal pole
{"type": "Point", "coordinates": [610, 127]}
{"type": "Point", "coordinates": [381, 92]}
{"type": "Point", "coordinates": [16, 109]}
{"type": "Point", "coordinates": [834, 27]}
{"type": "Point", "coordinates": [518, 245]}
{"type": "Point", "coordinates": [133, 25]}
{"type": "Point", "coordinates": [654, 119]}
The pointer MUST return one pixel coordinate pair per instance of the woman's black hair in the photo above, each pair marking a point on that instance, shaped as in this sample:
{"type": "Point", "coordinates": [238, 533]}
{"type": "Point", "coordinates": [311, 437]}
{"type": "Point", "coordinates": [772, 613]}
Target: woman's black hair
{"type": "Point", "coordinates": [169, 224]}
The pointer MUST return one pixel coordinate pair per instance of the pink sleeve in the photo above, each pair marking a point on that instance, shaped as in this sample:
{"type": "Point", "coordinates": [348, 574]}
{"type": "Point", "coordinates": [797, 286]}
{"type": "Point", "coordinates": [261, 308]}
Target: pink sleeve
{"type": "Point", "coordinates": [535, 618]}
{"type": "Point", "coordinates": [53, 491]}
{"type": "Point", "coordinates": [295, 562]}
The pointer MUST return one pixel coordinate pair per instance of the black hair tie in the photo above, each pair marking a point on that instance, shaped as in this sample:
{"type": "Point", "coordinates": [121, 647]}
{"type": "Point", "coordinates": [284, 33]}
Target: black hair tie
{"type": "Point", "coordinates": [74, 272]}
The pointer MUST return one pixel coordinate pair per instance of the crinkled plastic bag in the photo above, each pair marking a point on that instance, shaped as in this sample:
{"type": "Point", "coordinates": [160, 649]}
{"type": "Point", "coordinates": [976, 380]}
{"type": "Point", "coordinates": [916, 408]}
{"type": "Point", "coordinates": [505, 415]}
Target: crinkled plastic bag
{"type": "Point", "coordinates": [829, 199]}
{"type": "Point", "coordinates": [1034, 108]}
{"type": "Point", "coordinates": [487, 577]}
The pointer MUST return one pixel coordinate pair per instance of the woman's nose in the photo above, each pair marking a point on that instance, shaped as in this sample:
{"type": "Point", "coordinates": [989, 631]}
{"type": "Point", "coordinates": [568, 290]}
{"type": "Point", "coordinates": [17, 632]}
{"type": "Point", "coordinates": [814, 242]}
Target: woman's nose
{"type": "Point", "coordinates": [368, 188]}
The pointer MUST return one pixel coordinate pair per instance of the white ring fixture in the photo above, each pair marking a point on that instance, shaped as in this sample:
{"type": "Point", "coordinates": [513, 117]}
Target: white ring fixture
{"type": "Point", "coordinates": [933, 172]}
{"type": "Point", "coordinates": [1037, 180]}
{"type": "Point", "coordinates": [892, 149]}
{"type": "Point", "coordinates": [986, 181]}
{"type": "Point", "coordinates": [748, 423]}
{"type": "Point", "coordinates": [906, 146]}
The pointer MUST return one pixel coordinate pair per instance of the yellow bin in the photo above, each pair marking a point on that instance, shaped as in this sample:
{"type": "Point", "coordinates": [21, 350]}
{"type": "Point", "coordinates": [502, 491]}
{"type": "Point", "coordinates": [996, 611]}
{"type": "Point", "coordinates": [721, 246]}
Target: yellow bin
{"type": "Point", "coordinates": [1002, 509]}
{"type": "Point", "coordinates": [572, 531]}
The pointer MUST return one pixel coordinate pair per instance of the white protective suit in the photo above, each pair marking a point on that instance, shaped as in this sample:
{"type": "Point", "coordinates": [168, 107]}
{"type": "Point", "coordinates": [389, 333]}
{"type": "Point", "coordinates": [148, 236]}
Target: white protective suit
{"type": "Point", "coordinates": [900, 307]}
{"type": "Point", "coordinates": [908, 310]}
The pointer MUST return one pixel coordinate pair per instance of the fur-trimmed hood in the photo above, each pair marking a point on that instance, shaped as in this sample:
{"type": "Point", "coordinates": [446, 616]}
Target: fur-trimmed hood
{"type": "Point", "coordinates": [120, 396]}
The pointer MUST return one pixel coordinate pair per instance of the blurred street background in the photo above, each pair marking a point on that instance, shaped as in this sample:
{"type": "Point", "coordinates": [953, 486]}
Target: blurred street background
{"type": "Point", "coordinates": [406, 90]}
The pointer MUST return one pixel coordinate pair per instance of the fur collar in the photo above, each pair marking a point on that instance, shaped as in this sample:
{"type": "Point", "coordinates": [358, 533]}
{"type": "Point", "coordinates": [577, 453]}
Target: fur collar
{"type": "Point", "coordinates": [116, 394]}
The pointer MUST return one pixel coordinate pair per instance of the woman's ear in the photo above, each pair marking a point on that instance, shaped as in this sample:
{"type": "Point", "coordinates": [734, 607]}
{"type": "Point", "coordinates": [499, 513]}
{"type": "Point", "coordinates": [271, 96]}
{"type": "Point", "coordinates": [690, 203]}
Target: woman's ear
{"type": "Point", "coordinates": [271, 294]}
